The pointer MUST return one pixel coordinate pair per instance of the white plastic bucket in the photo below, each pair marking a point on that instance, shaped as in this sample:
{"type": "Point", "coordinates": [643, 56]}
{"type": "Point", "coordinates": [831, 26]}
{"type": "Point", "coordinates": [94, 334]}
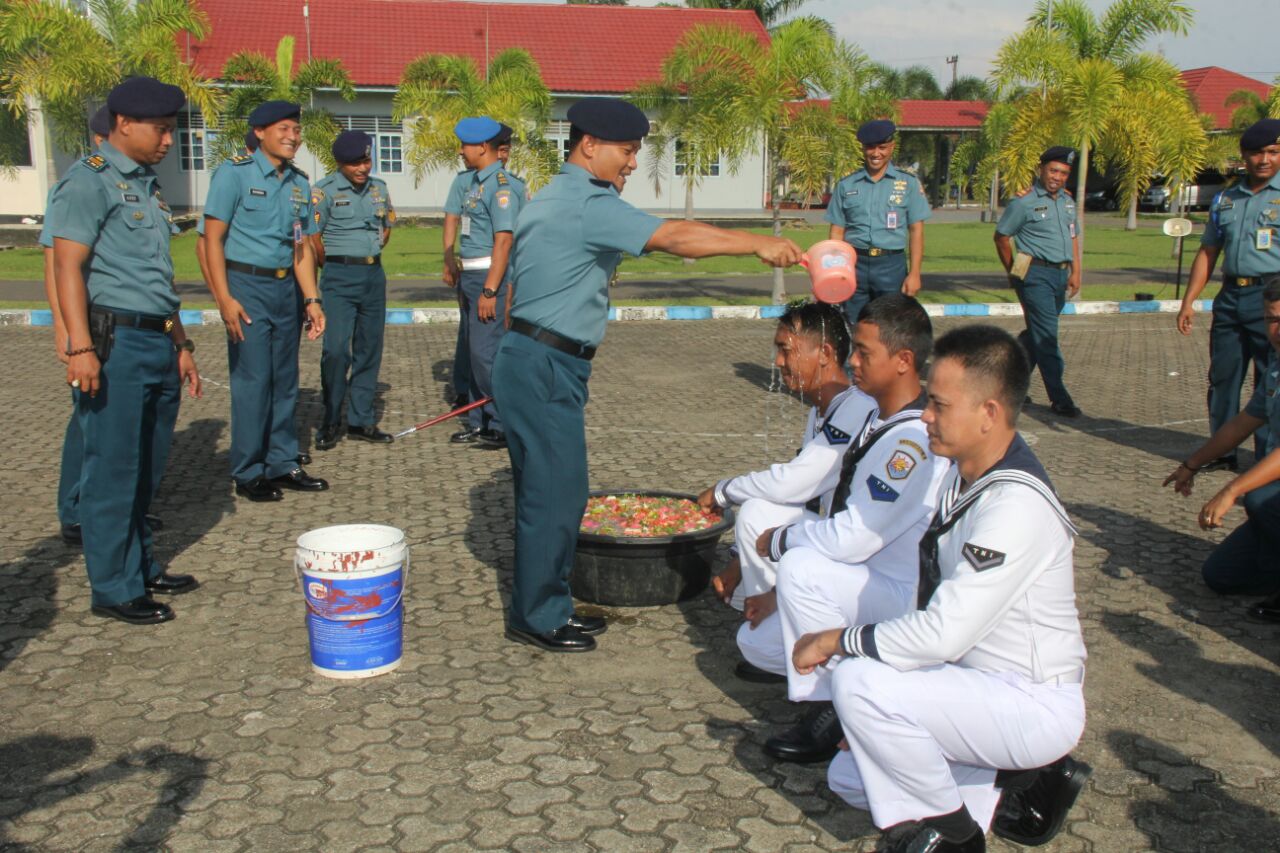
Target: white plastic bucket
{"type": "Point", "coordinates": [353, 578]}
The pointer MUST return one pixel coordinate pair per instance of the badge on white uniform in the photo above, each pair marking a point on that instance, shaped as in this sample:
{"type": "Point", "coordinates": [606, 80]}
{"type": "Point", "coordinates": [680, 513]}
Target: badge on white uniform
{"type": "Point", "coordinates": [466, 225]}
{"type": "Point", "coordinates": [1263, 240]}
{"type": "Point", "coordinates": [891, 219]}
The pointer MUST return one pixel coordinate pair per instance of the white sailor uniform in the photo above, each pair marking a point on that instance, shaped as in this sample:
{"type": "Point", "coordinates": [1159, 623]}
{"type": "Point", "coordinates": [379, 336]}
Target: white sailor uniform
{"type": "Point", "coordinates": [778, 494]}
{"type": "Point", "coordinates": [852, 563]}
{"type": "Point", "coordinates": [987, 675]}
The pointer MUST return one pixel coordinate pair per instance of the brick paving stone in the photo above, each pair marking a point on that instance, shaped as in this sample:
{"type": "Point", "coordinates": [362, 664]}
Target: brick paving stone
{"type": "Point", "coordinates": [211, 733]}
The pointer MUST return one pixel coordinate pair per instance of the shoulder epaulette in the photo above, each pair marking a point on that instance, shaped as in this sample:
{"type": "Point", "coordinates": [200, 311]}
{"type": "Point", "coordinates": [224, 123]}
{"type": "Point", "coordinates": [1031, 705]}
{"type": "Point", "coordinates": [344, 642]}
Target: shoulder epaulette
{"type": "Point", "coordinates": [299, 171]}
{"type": "Point", "coordinates": [907, 170]}
{"type": "Point", "coordinates": [502, 178]}
{"type": "Point", "coordinates": [241, 159]}
{"type": "Point", "coordinates": [96, 162]}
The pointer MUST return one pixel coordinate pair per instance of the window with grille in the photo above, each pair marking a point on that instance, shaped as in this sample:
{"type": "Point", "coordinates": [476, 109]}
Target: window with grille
{"type": "Point", "coordinates": [710, 170]}
{"type": "Point", "coordinates": [388, 140]}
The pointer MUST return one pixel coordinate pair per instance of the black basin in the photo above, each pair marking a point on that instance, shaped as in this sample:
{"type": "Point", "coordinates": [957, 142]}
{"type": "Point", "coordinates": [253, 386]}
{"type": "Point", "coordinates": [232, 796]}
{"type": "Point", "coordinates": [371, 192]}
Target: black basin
{"type": "Point", "coordinates": [639, 571]}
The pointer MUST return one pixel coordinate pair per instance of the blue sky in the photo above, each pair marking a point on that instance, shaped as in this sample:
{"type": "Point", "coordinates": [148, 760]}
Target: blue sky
{"type": "Point", "coordinates": [1230, 33]}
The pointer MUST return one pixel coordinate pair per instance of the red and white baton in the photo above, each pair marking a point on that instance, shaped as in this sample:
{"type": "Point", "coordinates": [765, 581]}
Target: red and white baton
{"type": "Point", "coordinates": [440, 418]}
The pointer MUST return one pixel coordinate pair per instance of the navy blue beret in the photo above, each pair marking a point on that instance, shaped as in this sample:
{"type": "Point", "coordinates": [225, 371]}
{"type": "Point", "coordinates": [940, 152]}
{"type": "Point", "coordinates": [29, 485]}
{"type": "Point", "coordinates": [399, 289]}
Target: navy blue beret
{"type": "Point", "coordinates": [476, 130]}
{"type": "Point", "coordinates": [100, 123]}
{"type": "Point", "coordinates": [1059, 154]}
{"type": "Point", "coordinates": [251, 141]}
{"type": "Point", "coordinates": [1260, 134]}
{"type": "Point", "coordinates": [352, 146]}
{"type": "Point", "coordinates": [609, 119]}
{"type": "Point", "coordinates": [877, 131]}
{"type": "Point", "coordinates": [145, 97]}
{"type": "Point", "coordinates": [270, 112]}
{"type": "Point", "coordinates": [504, 135]}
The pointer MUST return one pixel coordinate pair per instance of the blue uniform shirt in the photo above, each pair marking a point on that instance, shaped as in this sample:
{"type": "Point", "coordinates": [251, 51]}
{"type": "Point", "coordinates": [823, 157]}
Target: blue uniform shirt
{"type": "Point", "coordinates": [351, 219]}
{"type": "Point", "coordinates": [490, 205]}
{"type": "Point", "coordinates": [1245, 226]}
{"type": "Point", "coordinates": [877, 214]}
{"type": "Point", "coordinates": [569, 240]}
{"type": "Point", "coordinates": [112, 204]}
{"type": "Point", "coordinates": [458, 192]}
{"type": "Point", "coordinates": [46, 239]}
{"type": "Point", "coordinates": [1042, 225]}
{"type": "Point", "coordinates": [265, 210]}
{"type": "Point", "coordinates": [1265, 403]}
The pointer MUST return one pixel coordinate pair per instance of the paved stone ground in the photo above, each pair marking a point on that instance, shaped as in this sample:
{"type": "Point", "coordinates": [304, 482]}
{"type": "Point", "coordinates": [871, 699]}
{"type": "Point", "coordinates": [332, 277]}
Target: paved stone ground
{"type": "Point", "coordinates": [211, 733]}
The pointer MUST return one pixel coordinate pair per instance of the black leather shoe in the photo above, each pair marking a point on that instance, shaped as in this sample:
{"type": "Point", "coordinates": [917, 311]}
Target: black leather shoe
{"type": "Point", "coordinates": [563, 639]}
{"type": "Point", "coordinates": [470, 435]}
{"type": "Point", "coordinates": [592, 626]}
{"type": "Point", "coordinates": [154, 522]}
{"type": "Point", "coordinates": [1267, 610]}
{"type": "Point", "coordinates": [300, 481]}
{"type": "Point", "coordinates": [1033, 815]}
{"type": "Point", "coordinates": [140, 611]}
{"type": "Point", "coordinates": [259, 489]}
{"type": "Point", "coordinates": [304, 458]}
{"type": "Point", "coordinates": [491, 439]}
{"type": "Point", "coordinates": [326, 437]}
{"type": "Point", "coordinates": [70, 534]}
{"type": "Point", "coordinates": [748, 671]}
{"type": "Point", "coordinates": [815, 738]}
{"type": "Point", "coordinates": [917, 837]}
{"type": "Point", "coordinates": [1066, 410]}
{"type": "Point", "coordinates": [369, 433]}
{"type": "Point", "coordinates": [167, 584]}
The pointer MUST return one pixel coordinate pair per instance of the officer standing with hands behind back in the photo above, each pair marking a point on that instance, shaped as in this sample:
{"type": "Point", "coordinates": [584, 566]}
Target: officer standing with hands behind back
{"type": "Point", "coordinates": [127, 353]}
{"type": "Point", "coordinates": [257, 219]}
{"type": "Point", "coordinates": [1244, 230]}
{"type": "Point", "coordinates": [880, 210]}
{"type": "Point", "coordinates": [354, 214]}
{"type": "Point", "coordinates": [1046, 271]}
{"type": "Point", "coordinates": [568, 242]}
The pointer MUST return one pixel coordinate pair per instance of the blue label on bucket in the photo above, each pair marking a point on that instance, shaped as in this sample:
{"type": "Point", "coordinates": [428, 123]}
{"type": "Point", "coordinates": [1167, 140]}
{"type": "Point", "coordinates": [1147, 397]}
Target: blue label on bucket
{"type": "Point", "coordinates": [355, 646]}
{"type": "Point", "coordinates": [353, 598]}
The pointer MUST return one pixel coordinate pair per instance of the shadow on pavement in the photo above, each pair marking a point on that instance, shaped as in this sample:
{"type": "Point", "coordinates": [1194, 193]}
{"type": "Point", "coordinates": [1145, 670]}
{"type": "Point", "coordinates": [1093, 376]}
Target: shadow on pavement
{"type": "Point", "coordinates": [491, 526]}
{"type": "Point", "coordinates": [38, 771]}
{"type": "Point", "coordinates": [1197, 810]}
{"type": "Point", "coordinates": [1239, 691]}
{"type": "Point", "coordinates": [27, 605]}
{"type": "Point", "coordinates": [195, 493]}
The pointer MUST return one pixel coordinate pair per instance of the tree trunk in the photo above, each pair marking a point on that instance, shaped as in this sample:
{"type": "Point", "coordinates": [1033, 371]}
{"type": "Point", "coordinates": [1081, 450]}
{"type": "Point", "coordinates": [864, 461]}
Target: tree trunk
{"type": "Point", "coordinates": [994, 203]}
{"type": "Point", "coordinates": [779, 295]}
{"type": "Point", "coordinates": [1131, 222]}
{"type": "Point", "coordinates": [1082, 175]}
{"type": "Point", "coordinates": [688, 205]}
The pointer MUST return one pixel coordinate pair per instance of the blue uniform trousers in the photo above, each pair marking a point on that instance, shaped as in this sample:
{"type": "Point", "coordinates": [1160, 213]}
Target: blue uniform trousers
{"type": "Point", "coordinates": [1042, 294]}
{"type": "Point", "coordinates": [120, 426]}
{"type": "Point", "coordinates": [876, 277]}
{"type": "Point", "coordinates": [1248, 561]}
{"type": "Point", "coordinates": [355, 316]}
{"type": "Point", "coordinates": [482, 343]}
{"type": "Point", "coordinates": [461, 378]}
{"type": "Point", "coordinates": [1237, 336]}
{"type": "Point", "coordinates": [542, 393]}
{"type": "Point", "coordinates": [73, 458]}
{"type": "Point", "coordinates": [264, 377]}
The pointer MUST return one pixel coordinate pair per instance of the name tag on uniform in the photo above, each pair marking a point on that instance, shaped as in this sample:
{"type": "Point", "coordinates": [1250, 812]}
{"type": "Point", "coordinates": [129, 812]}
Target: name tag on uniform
{"type": "Point", "coordinates": [466, 226]}
{"type": "Point", "coordinates": [342, 203]}
{"type": "Point", "coordinates": [1263, 239]}
{"type": "Point", "coordinates": [257, 191]}
{"type": "Point", "coordinates": [891, 219]}
{"type": "Point", "coordinates": [297, 231]}
{"type": "Point", "coordinates": [1071, 229]}
{"type": "Point", "coordinates": [130, 197]}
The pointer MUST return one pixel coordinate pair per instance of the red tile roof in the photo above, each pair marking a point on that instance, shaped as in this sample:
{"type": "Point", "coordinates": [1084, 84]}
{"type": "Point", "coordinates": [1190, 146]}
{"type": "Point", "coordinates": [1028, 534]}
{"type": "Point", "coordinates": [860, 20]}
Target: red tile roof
{"type": "Point", "coordinates": [605, 49]}
{"type": "Point", "coordinates": [1210, 87]}
{"type": "Point", "coordinates": [942, 115]}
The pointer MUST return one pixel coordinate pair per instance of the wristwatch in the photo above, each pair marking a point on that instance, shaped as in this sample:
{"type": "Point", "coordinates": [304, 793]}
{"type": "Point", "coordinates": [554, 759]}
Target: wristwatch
{"type": "Point", "coordinates": [311, 300]}
{"type": "Point", "coordinates": [188, 345]}
{"type": "Point", "coordinates": [488, 294]}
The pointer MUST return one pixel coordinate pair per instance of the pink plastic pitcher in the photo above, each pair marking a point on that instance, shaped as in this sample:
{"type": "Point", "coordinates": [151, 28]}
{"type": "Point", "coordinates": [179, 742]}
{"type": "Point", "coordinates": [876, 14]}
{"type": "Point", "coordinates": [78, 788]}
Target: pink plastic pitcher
{"type": "Point", "coordinates": [831, 265]}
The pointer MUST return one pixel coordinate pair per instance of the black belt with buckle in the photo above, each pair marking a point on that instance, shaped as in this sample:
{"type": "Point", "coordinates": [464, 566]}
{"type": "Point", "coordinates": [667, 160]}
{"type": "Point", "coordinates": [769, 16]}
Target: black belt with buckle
{"type": "Point", "coordinates": [873, 252]}
{"type": "Point", "coordinates": [354, 260]}
{"type": "Point", "coordinates": [1041, 262]}
{"type": "Point", "coordinates": [146, 322]}
{"type": "Point", "coordinates": [551, 339]}
{"type": "Point", "coordinates": [265, 272]}
{"type": "Point", "coordinates": [1243, 280]}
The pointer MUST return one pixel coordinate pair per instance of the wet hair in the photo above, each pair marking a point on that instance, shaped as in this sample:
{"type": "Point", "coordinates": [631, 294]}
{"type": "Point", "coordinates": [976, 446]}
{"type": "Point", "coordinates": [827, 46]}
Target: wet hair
{"type": "Point", "coordinates": [903, 324]}
{"type": "Point", "coordinates": [991, 355]}
{"type": "Point", "coordinates": [1271, 289]}
{"type": "Point", "coordinates": [822, 323]}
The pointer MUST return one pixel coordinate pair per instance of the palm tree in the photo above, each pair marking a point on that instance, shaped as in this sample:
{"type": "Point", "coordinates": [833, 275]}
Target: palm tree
{"type": "Point", "coordinates": [1089, 83]}
{"type": "Point", "coordinates": [259, 79]}
{"type": "Point", "coordinates": [969, 88]}
{"type": "Point", "coordinates": [770, 12]}
{"type": "Point", "coordinates": [437, 90]}
{"type": "Point", "coordinates": [1251, 107]}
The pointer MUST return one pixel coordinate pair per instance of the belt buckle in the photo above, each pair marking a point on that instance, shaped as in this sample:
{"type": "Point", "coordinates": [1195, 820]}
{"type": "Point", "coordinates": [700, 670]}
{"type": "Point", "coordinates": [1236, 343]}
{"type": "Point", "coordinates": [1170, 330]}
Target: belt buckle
{"type": "Point", "coordinates": [168, 325]}
{"type": "Point", "coordinates": [1242, 281]}
{"type": "Point", "coordinates": [875, 253]}
{"type": "Point", "coordinates": [369, 260]}
{"type": "Point", "coordinates": [280, 273]}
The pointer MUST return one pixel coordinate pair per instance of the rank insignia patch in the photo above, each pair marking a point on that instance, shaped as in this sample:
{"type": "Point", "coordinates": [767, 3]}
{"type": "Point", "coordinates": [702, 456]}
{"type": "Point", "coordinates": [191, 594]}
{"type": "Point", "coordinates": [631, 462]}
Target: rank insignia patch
{"type": "Point", "coordinates": [880, 490]}
{"type": "Point", "coordinates": [835, 435]}
{"type": "Point", "coordinates": [96, 162]}
{"type": "Point", "coordinates": [982, 558]}
{"type": "Point", "coordinates": [900, 465]}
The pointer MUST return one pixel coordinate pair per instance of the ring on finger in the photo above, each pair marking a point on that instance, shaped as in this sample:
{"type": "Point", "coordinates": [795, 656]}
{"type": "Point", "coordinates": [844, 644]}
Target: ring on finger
{"type": "Point", "coordinates": [75, 383]}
